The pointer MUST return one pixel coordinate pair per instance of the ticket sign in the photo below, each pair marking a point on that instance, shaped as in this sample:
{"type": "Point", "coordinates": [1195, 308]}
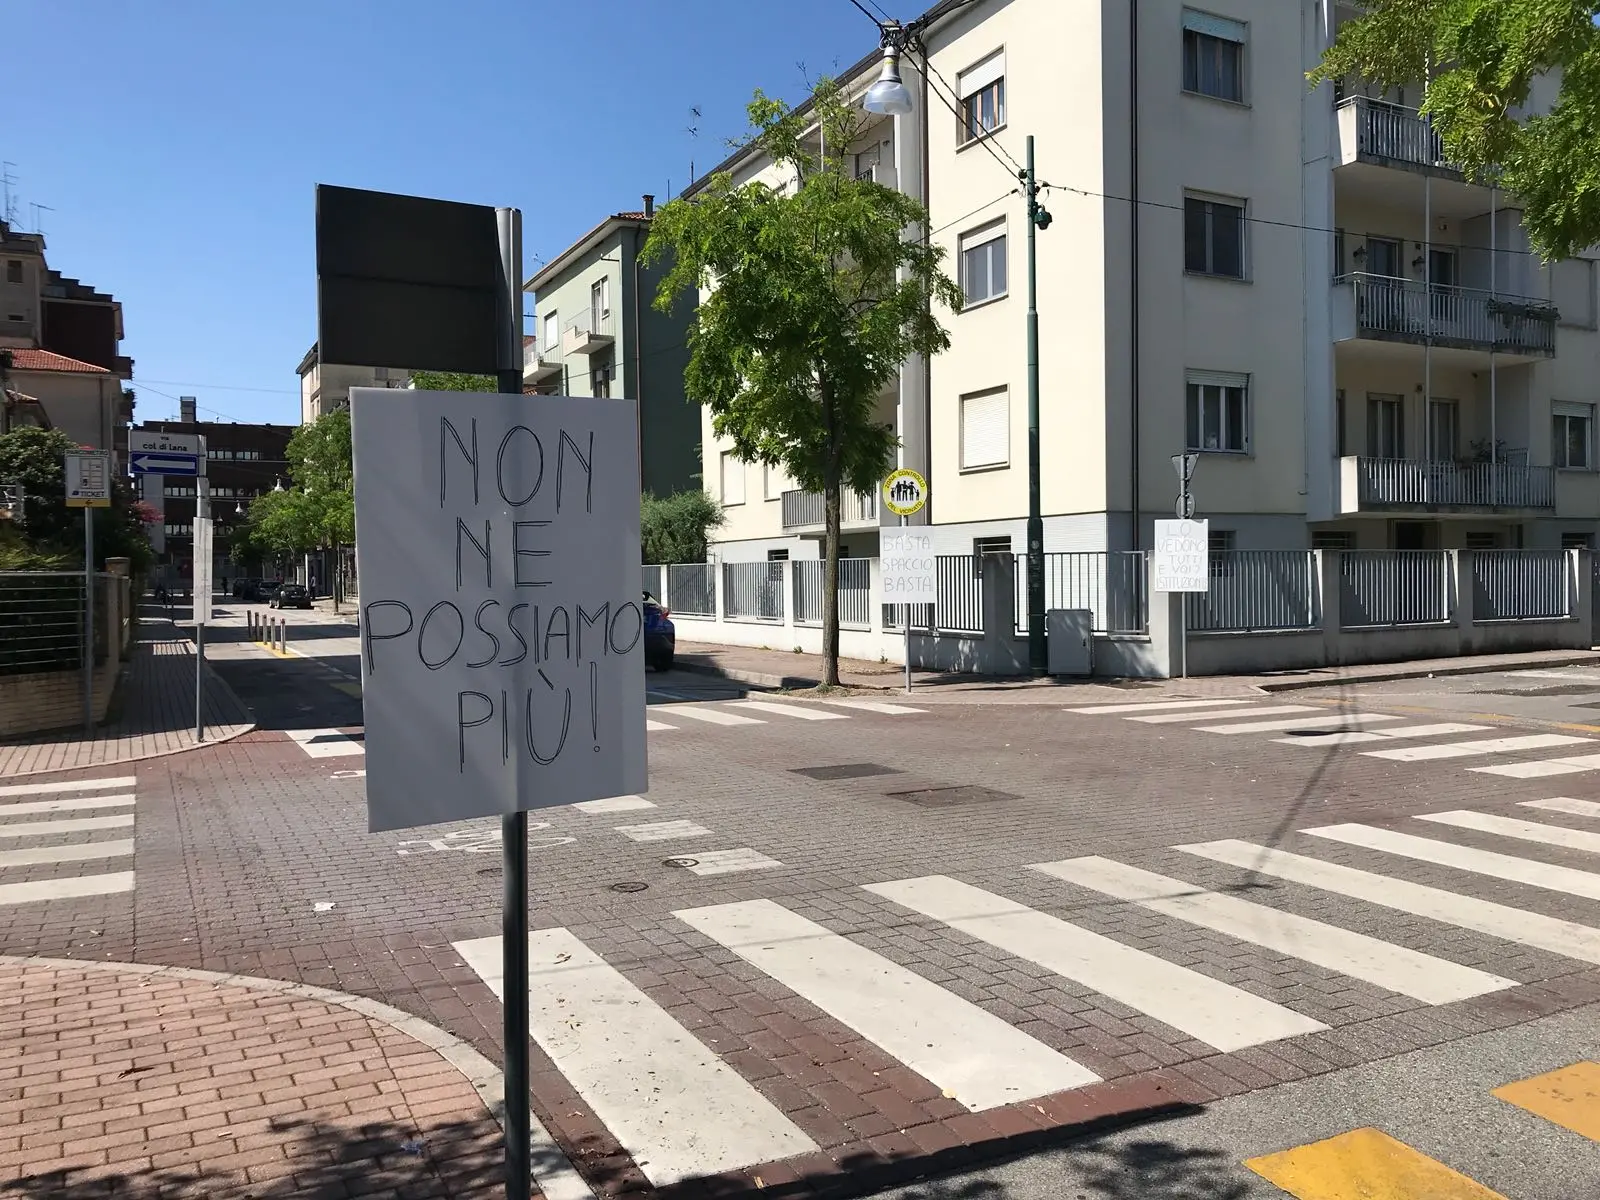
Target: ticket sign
{"type": "Point", "coordinates": [908, 566]}
{"type": "Point", "coordinates": [88, 480]}
{"type": "Point", "coordinates": [1182, 556]}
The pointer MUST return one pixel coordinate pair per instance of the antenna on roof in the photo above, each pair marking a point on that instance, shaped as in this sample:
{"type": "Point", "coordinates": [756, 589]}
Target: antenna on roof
{"type": "Point", "coordinates": [8, 212]}
{"type": "Point", "coordinates": [38, 226]}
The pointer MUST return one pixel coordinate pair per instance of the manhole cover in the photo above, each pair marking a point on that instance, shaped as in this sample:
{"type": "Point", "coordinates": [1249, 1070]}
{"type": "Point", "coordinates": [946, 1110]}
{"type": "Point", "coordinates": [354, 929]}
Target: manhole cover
{"type": "Point", "coordinates": [629, 887]}
{"type": "Point", "coordinates": [844, 771]}
{"type": "Point", "coordinates": [951, 797]}
{"type": "Point", "coordinates": [680, 862]}
{"type": "Point", "coordinates": [1322, 731]}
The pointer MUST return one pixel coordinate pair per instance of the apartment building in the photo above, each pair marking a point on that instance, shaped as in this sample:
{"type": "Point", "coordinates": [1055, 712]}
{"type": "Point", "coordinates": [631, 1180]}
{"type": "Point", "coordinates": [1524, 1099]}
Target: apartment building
{"type": "Point", "coordinates": [326, 386]}
{"type": "Point", "coordinates": [597, 333]}
{"type": "Point", "coordinates": [1290, 282]}
{"type": "Point", "coordinates": [63, 366]}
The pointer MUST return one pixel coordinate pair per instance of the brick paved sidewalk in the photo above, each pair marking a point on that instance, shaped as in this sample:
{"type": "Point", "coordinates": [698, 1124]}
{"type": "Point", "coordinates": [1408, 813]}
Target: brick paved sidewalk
{"type": "Point", "coordinates": [120, 1080]}
{"type": "Point", "coordinates": [777, 669]}
{"type": "Point", "coordinates": [153, 713]}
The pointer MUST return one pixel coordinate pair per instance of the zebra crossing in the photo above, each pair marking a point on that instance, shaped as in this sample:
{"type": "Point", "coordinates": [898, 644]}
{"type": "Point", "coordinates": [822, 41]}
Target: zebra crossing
{"type": "Point", "coordinates": [681, 1108]}
{"type": "Point", "coordinates": [66, 840]}
{"type": "Point", "coordinates": [1382, 736]}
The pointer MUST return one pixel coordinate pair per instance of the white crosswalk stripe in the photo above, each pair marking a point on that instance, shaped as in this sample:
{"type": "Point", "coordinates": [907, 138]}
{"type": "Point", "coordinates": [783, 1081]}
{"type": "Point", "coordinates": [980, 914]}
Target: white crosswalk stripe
{"type": "Point", "coordinates": [326, 743]}
{"type": "Point", "coordinates": [1333, 719]}
{"type": "Point", "coordinates": [1565, 804]}
{"type": "Point", "coordinates": [1527, 831]}
{"type": "Point", "coordinates": [662, 831]}
{"type": "Point", "coordinates": [1392, 733]}
{"type": "Point", "coordinates": [797, 712]}
{"type": "Point", "coordinates": [1157, 706]}
{"type": "Point", "coordinates": [1543, 768]}
{"type": "Point", "coordinates": [1505, 745]}
{"type": "Point", "coordinates": [1466, 858]}
{"type": "Point", "coordinates": [34, 846]}
{"type": "Point", "coordinates": [1189, 717]}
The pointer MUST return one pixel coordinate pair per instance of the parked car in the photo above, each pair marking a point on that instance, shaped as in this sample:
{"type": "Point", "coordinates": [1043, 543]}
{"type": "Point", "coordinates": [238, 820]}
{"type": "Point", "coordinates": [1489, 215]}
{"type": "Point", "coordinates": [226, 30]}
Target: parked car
{"type": "Point", "coordinates": [290, 595]}
{"type": "Point", "coordinates": [660, 636]}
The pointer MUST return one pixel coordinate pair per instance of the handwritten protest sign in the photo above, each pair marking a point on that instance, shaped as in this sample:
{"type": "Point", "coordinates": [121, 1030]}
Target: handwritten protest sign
{"type": "Point", "coordinates": [502, 638]}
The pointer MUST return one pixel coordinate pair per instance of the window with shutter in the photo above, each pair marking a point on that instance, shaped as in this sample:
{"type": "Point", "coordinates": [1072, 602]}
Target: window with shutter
{"type": "Point", "coordinates": [732, 479]}
{"type": "Point", "coordinates": [982, 89]}
{"type": "Point", "coordinates": [986, 429]}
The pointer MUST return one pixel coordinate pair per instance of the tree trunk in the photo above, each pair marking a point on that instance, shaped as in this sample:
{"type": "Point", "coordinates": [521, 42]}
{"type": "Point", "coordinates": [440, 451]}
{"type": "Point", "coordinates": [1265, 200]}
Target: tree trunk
{"type": "Point", "coordinates": [830, 581]}
{"type": "Point", "coordinates": [333, 584]}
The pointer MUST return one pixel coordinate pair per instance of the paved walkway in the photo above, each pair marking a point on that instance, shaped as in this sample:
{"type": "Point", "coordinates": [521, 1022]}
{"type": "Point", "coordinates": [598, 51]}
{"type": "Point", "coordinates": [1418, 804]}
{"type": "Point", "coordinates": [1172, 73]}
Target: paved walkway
{"type": "Point", "coordinates": [774, 668]}
{"type": "Point", "coordinates": [121, 1080]}
{"type": "Point", "coordinates": [152, 715]}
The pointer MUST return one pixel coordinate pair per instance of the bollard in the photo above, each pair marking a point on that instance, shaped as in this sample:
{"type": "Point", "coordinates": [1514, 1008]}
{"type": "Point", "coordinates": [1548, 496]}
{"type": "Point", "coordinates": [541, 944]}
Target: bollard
{"type": "Point", "coordinates": [250, 623]}
{"type": "Point", "coordinates": [283, 635]}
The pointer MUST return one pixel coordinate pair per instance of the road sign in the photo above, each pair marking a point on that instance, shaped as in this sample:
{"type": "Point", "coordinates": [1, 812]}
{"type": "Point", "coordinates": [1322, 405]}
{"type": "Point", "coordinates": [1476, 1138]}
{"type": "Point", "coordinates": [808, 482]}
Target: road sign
{"type": "Point", "coordinates": [502, 635]}
{"type": "Point", "coordinates": [908, 567]}
{"type": "Point", "coordinates": [202, 583]}
{"type": "Point", "coordinates": [149, 441]}
{"type": "Point", "coordinates": [1183, 556]}
{"type": "Point", "coordinates": [165, 464]}
{"type": "Point", "coordinates": [89, 480]}
{"type": "Point", "coordinates": [1184, 465]}
{"type": "Point", "coordinates": [905, 492]}
{"type": "Point", "coordinates": [1184, 507]}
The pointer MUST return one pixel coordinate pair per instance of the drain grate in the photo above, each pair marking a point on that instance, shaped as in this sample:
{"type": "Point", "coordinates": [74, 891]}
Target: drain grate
{"type": "Point", "coordinates": [629, 886]}
{"type": "Point", "coordinates": [951, 797]}
{"type": "Point", "coordinates": [844, 771]}
{"type": "Point", "coordinates": [680, 862]}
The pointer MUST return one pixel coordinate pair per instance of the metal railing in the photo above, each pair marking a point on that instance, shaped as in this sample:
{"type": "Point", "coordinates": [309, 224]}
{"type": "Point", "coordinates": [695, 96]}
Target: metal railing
{"type": "Point", "coordinates": [1255, 590]}
{"type": "Point", "coordinates": [1403, 481]}
{"type": "Point", "coordinates": [752, 591]}
{"type": "Point", "coordinates": [1452, 315]}
{"type": "Point", "coordinates": [958, 589]}
{"type": "Point", "coordinates": [802, 508]}
{"type": "Point", "coordinates": [1395, 132]}
{"type": "Point", "coordinates": [1521, 585]}
{"type": "Point", "coordinates": [855, 592]}
{"type": "Point", "coordinates": [535, 354]}
{"type": "Point", "coordinates": [650, 580]}
{"type": "Point", "coordinates": [1111, 584]}
{"type": "Point", "coordinates": [586, 325]}
{"type": "Point", "coordinates": [1394, 587]}
{"type": "Point", "coordinates": [41, 621]}
{"type": "Point", "coordinates": [692, 589]}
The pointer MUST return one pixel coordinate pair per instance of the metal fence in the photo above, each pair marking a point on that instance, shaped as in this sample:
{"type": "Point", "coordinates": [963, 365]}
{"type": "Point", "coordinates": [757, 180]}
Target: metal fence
{"type": "Point", "coordinates": [650, 579]}
{"type": "Point", "coordinates": [41, 621]}
{"type": "Point", "coordinates": [1394, 587]}
{"type": "Point", "coordinates": [1258, 590]}
{"type": "Point", "coordinates": [1520, 585]}
{"type": "Point", "coordinates": [855, 592]}
{"type": "Point", "coordinates": [752, 591]}
{"type": "Point", "coordinates": [692, 589]}
{"type": "Point", "coordinates": [958, 592]}
{"type": "Point", "coordinates": [1111, 584]}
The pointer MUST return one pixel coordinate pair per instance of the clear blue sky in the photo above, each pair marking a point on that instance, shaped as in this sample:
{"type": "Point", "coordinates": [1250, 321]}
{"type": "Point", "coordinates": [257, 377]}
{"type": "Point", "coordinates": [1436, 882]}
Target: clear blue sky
{"type": "Point", "coordinates": [177, 142]}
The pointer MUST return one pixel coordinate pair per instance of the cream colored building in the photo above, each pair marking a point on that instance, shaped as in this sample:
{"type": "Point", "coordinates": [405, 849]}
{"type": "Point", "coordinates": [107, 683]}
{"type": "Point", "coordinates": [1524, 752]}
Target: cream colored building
{"type": "Point", "coordinates": [326, 386]}
{"type": "Point", "coordinates": [1288, 281]}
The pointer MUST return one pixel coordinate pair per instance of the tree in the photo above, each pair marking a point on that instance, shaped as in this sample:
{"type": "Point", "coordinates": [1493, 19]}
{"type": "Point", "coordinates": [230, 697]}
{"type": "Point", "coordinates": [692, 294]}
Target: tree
{"type": "Point", "coordinates": [817, 297]}
{"type": "Point", "coordinates": [673, 529]}
{"type": "Point", "coordinates": [452, 381]}
{"type": "Point", "coordinates": [49, 532]}
{"type": "Point", "coordinates": [1479, 59]}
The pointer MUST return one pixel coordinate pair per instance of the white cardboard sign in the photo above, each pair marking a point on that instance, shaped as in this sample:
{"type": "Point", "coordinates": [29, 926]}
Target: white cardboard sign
{"type": "Point", "coordinates": [908, 566]}
{"type": "Point", "coordinates": [502, 637]}
{"type": "Point", "coordinates": [1183, 556]}
{"type": "Point", "coordinates": [204, 556]}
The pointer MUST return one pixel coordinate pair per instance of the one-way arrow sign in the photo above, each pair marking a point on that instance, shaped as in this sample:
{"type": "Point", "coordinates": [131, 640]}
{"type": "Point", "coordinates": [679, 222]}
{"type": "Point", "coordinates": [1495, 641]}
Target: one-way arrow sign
{"type": "Point", "coordinates": [165, 464]}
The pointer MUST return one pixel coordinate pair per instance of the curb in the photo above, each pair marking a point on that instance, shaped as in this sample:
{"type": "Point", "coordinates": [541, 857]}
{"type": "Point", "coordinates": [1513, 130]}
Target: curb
{"type": "Point", "coordinates": [485, 1078]}
{"type": "Point", "coordinates": [1584, 659]}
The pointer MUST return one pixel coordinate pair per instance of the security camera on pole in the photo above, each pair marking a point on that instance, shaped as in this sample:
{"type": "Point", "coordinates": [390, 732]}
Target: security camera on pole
{"type": "Point", "coordinates": [1182, 552]}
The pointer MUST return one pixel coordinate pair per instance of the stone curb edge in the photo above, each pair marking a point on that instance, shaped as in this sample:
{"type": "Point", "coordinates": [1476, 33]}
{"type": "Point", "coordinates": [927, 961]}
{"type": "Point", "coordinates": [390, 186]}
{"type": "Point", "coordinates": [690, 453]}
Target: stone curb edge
{"type": "Point", "coordinates": [560, 1183]}
{"type": "Point", "coordinates": [1581, 659]}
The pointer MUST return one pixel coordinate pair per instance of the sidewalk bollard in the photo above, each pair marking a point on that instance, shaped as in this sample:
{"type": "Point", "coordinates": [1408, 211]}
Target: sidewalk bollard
{"type": "Point", "coordinates": [283, 635]}
{"type": "Point", "coordinates": [250, 623]}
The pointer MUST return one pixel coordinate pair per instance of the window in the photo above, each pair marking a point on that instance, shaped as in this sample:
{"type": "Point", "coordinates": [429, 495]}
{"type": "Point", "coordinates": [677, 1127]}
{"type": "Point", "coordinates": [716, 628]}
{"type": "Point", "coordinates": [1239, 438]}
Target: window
{"type": "Point", "coordinates": [1213, 237]}
{"type": "Point", "coordinates": [1213, 56]}
{"type": "Point", "coordinates": [15, 317]}
{"type": "Point", "coordinates": [1444, 430]}
{"type": "Point", "coordinates": [986, 429]}
{"type": "Point", "coordinates": [1221, 544]}
{"type": "Point", "coordinates": [732, 479]}
{"type": "Point", "coordinates": [983, 98]}
{"type": "Point", "coordinates": [1482, 539]}
{"type": "Point", "coordinates": [1218, 412]}
{"type": "Point", "coordinates": [1386, 425]}
{"type": "Point", "coordinates": [1332, 539]}
{"type": "Point", "coordinates": [1572, 438]}
{"type": "Point", "coordinates": [987, 545]}
{"type": "Point", "coordinates": [780, 556]}
{"type": "Point", "coordinates": [1577, 541]}
{"type": "Point", "coordinates": [774, 481]}
{"type": "Point", "coordinates": [601, 376]}
{"type": "Point", "coordinates": [600, 301]}
{"type": "Point", "coordinates": [1382, 258]}
{"type": "Point", "coordinates": [1572, 292]}
{"type": "Point", "coordinates": [552, 331]}
{"type": "Point", "coordinates": [983, 264]}
{"type": "Point", "coordinates": [13, 270]}
{"type": "Point", "coordinates": [1340, 443]}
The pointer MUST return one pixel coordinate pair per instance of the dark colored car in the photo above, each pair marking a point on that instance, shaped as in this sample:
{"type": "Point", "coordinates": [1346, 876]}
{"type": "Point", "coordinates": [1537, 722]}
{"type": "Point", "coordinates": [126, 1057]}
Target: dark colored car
{"type": "Point", "coordinates": [291, 595]}
{"type": "Point", "coordinates": [660, 636]}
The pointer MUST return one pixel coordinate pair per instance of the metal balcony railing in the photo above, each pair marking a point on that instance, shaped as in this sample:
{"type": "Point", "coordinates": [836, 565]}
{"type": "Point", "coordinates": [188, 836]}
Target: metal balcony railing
{"type": "Point", "coordinates": [1404, 482]}
{"type": "Point", "coordinates": [802, 508]}
{"type": "Point", "coordinates": [1406, 309]}
{"type": "Point", "coordinates": [1394, 133]}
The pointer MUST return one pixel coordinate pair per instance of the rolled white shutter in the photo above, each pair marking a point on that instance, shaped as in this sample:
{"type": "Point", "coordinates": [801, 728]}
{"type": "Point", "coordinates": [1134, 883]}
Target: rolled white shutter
{"type": "Point", "coordinates": [986, 429]}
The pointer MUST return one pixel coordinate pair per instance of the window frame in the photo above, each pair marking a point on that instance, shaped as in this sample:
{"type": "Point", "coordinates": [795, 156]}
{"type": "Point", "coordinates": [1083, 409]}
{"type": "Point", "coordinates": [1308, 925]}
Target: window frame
{"type": "Point", "coordinates": [990, 72]}
{"type": "Point", "coordinates": [552, 329]}
{"type": "Point", "coordinates": [975, 239]}
{"type": "Point", "coordinates": [1003, 391]}
{"type": "Point", "coordinates": [1196, 386]}
{"type": "Point", "coordinates": [16, 272]}
{"type": "Point", "coordinates": [1210, 201]}
{"type": "Point", "coordinates": [600, 300]}
{"type": "Point", "coordinates": [728, 456]}
{"type": "Point", "coordinates": [1561, 413]}
{"type": "Point", "coordinates": [1192, 19]}
{"type": "Point", "coordinates": [1386, 401]}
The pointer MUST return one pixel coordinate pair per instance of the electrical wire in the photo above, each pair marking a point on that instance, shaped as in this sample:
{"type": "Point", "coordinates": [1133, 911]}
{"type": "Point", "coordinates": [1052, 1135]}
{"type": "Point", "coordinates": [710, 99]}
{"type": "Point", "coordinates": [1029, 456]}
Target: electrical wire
{"type": "Point", "coordinates": [865, 13]}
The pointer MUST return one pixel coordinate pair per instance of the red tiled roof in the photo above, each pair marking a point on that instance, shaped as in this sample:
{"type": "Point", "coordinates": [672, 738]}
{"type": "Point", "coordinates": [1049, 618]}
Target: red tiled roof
{"type": "Point", "coordinates": [529, 338]}
{"type": "Point", "coordinates": [45, 360]}
{"type": "Point", "coordinates": [630, 216]}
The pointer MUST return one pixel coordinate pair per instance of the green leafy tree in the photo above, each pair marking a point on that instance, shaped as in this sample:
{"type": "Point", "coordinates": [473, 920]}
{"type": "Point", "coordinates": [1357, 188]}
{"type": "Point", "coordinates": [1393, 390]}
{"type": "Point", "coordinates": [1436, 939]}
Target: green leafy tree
{"type": "Point", "coordinates": [320, 464]}
{"type": "Point", "coordinates": [817, 297]}
{"type": "Point", "coordinates": [1480, 59]}
{"type": "Point", "coordinates": [452, 381]}
{"type": "Point", "coordinates": [51, 533]}
{"type": "Point", "coordinates": [673, 529]}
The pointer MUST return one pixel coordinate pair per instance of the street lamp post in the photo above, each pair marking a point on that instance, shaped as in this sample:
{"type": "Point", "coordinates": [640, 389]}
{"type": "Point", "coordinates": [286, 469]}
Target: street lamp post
{"type": "Point", "coordinates": [890, 96]}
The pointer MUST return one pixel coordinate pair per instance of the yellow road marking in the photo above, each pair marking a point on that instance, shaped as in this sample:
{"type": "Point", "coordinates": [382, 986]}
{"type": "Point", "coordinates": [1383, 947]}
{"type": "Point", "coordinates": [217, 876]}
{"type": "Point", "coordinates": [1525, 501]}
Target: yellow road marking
{"type": "Point", "coordinates": [349, 689]}
{"type": "Point", "coordinates": [1569, 1097]}
{"type": "Point", "coordinates": [1365, 1164]}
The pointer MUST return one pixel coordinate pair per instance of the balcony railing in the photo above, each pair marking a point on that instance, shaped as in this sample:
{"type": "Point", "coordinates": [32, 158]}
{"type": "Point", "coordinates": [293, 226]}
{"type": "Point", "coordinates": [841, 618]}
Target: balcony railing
{"type": "Point", "coordinates": [1407, 310]}
{"type": "Point", "coordinates": [540, 361]}
{"type": "Point", "coordinates": [1391, 133]}
{"type": "Point", "coordinates": [1402, 483]}
{"type": "Point", "coordinates": [802, 509]}
{"type": "Point", "coordinates": [588, 332]}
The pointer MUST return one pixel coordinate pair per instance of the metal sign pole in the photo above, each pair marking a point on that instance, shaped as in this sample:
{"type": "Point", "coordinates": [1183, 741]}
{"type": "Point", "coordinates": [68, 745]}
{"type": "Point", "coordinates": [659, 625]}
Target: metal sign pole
{"type": "Point", "coordinates": [88, 619]}
{"type": "Point", "coordinates": [905, 623]}
{"type": "Point", "coordinates": [514, 827]}
{"type": "Point", "coordinates": [200, 576]}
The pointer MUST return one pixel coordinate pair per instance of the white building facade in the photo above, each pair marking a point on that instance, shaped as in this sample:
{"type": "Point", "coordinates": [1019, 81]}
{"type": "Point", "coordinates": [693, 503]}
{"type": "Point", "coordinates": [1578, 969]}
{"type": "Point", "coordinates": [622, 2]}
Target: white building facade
{"type": "Point", "coordinates": [1288, 281]}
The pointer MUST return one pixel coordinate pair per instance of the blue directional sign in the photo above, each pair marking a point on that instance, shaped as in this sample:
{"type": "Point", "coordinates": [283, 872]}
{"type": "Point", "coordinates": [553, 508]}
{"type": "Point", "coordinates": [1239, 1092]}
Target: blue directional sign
{"type": "Point", "coordinates": [165, 464]}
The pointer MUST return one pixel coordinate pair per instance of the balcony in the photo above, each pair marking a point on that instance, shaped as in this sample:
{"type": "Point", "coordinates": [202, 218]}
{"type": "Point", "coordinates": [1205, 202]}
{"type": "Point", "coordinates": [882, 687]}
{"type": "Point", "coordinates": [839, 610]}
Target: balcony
{"type": "Point", "coordinates": [1389, 484]}
{"type": "Point", "coordinates": [1388, 309]}
{"type": "Point", "coordinates": [1389, 135]}
{"type": "Point", "coordinates": [540, 363]}
{"type": "Point", "coordinates": [803, 512]}
{"type": "Point", "coordinates": [588, 333]}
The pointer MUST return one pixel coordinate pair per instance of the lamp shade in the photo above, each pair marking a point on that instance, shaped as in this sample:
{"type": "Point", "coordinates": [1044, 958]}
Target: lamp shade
{"type": "Point", "coordinates": [889, 95]}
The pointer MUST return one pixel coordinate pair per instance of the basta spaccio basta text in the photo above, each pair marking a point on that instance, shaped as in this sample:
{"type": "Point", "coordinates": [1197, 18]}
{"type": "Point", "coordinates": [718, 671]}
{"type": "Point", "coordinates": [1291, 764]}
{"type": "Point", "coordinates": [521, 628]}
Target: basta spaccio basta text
{"type": "Point", "coordinates": [531, 651]}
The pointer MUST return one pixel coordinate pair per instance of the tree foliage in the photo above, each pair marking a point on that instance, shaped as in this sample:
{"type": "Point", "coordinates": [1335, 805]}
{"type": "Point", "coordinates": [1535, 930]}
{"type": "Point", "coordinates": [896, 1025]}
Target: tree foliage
{"type": "Point", "coordinates": [1480, 59]}
{"type": "Point", "coordinates": [673, 529]}
{"type": "Point", "coordinates": [817, 296]}
{"type": "Point", "coordinates": [452, 381]}
{"type": "Point", "coordinates": [49, 533]}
